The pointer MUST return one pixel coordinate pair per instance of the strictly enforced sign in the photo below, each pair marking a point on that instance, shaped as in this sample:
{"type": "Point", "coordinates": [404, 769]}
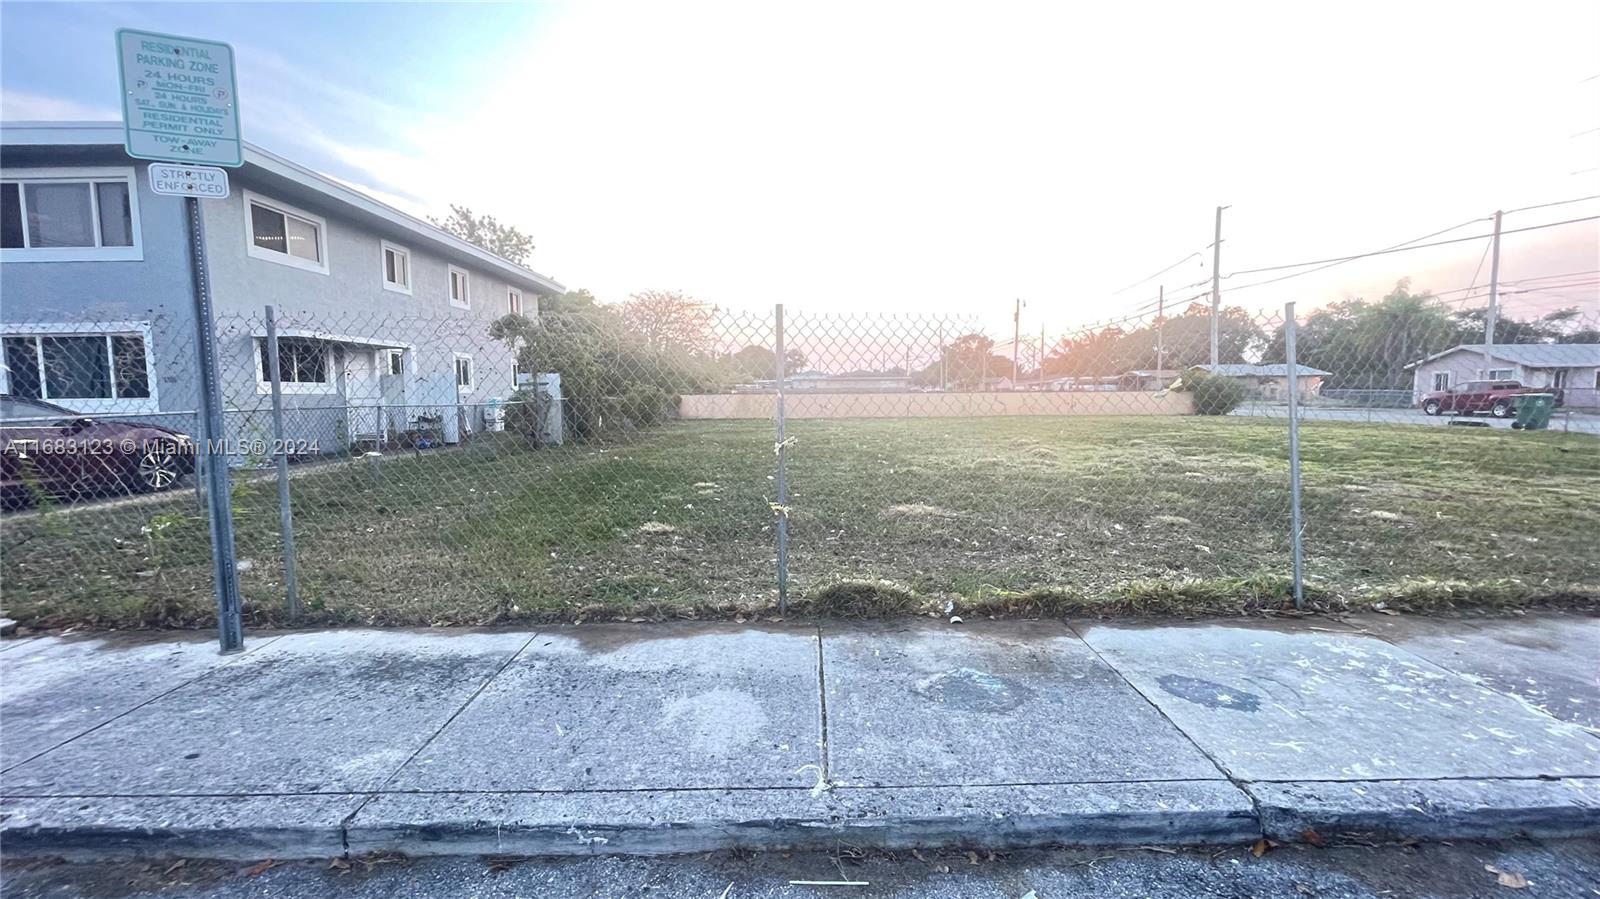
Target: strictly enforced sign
{"type": "Point", "coordinates": [200, 181]}
{"type": "Point", "coordinates": [179, 99]}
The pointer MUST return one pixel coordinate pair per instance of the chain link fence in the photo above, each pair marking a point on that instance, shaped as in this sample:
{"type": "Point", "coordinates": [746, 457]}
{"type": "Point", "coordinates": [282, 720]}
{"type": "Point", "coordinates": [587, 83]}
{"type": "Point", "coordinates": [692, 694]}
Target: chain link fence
{"type": "Point", "coordinates": [595, 461]}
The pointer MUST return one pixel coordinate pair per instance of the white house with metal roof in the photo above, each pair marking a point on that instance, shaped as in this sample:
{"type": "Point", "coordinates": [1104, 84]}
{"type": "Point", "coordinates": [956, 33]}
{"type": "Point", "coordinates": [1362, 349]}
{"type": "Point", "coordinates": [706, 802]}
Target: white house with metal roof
{"type": "Point", "coordinates": [1572, 368]}
{"type": "Point", "coordinates": [1271, 380]}
{"type": "Point", "coordinates": [383, 316]}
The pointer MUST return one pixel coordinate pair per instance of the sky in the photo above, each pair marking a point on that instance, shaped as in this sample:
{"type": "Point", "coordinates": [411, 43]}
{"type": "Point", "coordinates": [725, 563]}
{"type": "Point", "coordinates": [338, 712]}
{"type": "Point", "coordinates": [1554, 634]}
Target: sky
{"type": "Point", "coordinates": [945, 157]}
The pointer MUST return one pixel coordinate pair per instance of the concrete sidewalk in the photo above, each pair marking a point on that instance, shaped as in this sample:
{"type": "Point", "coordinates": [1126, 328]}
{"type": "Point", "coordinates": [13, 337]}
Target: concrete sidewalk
{"type": "Point", "coordinates": [684, 738]}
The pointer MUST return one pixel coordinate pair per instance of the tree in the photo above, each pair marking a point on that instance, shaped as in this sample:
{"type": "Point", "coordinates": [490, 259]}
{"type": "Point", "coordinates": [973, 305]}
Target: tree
{"type": "Point", "coordinates": [667, 319]}
{"type": "Point", "coordinates": [580, 300]}
{"type": "Point", "coordinates": [754, 363]}
{"type": "Point", "coordinates": [1560, 326]}
{"type": "Point", "coordinates": [1172, 344]}
{"type": "Point", "coordinates": [966, 363]}
{"type": "Point", "coordinates": [1369, 345]}
{"type": "Point", "coordinates": [611, 378]}
{"type": "Point", "coordinates": [505, 241]}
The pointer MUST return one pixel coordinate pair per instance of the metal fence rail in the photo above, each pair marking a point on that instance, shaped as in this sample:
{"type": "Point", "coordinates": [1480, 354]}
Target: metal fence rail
{"type": "Point", "coordinates": [619, 461]}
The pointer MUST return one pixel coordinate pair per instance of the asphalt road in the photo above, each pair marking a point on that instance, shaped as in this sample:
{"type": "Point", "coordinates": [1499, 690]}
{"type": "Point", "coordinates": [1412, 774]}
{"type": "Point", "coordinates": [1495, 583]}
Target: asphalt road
{"type": "Point", "coordinates": [1557, 870]}
{"type": "Point", "coordinates": [1574, 422]}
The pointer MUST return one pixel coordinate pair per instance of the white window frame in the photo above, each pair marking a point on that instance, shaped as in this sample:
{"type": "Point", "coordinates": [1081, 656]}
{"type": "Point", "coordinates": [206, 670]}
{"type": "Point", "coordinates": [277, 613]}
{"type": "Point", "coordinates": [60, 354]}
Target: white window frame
{"type": "Point", "coordinates": [289, 259]}
{"type": "Point", "coordinates": [472, 373]}
{"type": "Point", "coordinates": [1494, 374]}
{"type": "Point", "coordinates": [68, 175]}
{"type": "Point", "coordinates": [513, 301]}
{"type": "Point", "coordinates": [1439, 376]}
{"type": "Point", "coordinates": [389, 355]}
{"type": "Point", "coordinates": [91, 405]}
{"type": "Point", "coordinates": [264, 386]}
{"type": "Point", "coordinates": [384, 249]}
{"type": "Point", "coordinates": [466, 287]}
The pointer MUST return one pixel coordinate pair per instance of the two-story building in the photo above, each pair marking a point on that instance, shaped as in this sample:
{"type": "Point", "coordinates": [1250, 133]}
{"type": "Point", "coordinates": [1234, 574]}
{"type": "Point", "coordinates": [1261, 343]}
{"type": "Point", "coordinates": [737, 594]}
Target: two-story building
{"type": "Point", "coordinates": [383, 319]}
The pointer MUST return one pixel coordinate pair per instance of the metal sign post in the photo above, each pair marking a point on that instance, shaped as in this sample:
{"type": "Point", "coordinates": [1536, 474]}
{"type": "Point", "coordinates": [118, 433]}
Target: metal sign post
{"type": "Point", "coordinates": [219, 499]}
{"type": "Point", "coordinates": [179, 104]}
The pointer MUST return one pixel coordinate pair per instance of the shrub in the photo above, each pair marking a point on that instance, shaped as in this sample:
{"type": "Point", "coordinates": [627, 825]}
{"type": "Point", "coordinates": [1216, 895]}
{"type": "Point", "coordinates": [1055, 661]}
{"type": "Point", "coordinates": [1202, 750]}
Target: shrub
{"type": "Point", "coordinates": [1213, 394]}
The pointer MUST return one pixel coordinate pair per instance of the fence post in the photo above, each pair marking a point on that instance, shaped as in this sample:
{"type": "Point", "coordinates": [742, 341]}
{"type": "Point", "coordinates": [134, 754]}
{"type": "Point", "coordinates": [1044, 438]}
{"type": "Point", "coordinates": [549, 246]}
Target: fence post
{"type": "Point", "coordinates": [1292, 369]}
{"type": "Point", "coordinates": [280, 452]}
{"type": "Point", "coordinates": [782, 504]}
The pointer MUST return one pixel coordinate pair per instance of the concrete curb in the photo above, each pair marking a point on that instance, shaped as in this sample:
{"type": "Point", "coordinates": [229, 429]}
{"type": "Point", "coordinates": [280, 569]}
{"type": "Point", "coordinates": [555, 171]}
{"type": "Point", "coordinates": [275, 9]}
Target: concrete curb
{"type": "Point", "coordinates": [645, 823]}
{"type": "Point", "coordinates": [1431, 809]}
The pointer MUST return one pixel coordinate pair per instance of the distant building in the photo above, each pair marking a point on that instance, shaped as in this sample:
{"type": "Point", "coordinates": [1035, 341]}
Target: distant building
{"type": "Point", "coordinates": [1572, 368]}
{"type": "Point", "coordinates": [1270, 381]}
{"type": "Point", "coordinates": [1148, 379]}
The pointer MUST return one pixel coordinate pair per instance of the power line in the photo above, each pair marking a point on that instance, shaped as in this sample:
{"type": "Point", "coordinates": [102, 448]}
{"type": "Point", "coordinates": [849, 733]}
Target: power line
{"type": "Point", "coordinates": [1400, 248]}
{"type": "Point", "coordinates": [1342, 261]}
{"type": "Point", "coordinates": [1160, 273]}
{"type": "Point", "coordinates": [1556, 203]}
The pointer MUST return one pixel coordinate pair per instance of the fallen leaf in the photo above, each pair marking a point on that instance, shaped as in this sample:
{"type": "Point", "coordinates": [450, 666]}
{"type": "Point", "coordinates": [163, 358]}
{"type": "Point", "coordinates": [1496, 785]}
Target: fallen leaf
{"type": "Point", "coordinates": [259, 868]}
{"type": "Point", "coordinates": [1311, 836]}
{"type": "Point", "coordinates": [1508, 878]}
{"type": "Point", "coordinates": [1260, 848]}
{"type": "Point", "coordinates": [175, 866]}
{"type": "Point", "coordinates": [972, 857]}
{"type": "Point", "coordinates": [338, 863]}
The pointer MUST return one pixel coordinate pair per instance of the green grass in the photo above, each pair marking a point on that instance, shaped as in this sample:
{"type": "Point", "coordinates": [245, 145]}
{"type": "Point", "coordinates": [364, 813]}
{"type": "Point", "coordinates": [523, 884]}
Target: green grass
{"type": "Point", "coordinates": [1140, 515]}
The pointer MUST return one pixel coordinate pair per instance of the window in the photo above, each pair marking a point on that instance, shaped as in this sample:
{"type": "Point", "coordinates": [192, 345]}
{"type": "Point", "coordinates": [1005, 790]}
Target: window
{"type": "Point", "coordinates": [285, 235]}
{"type": "Point", "coordinates": [396, 268]}
{"type": "Point", "coordinates": [463, 373]}
{"type": "Point", "coordinates": [460, 288]}
{"type": "Point", "coordinates": [73, 367]}
{"type": "Point", "coordinates": [1441, 380]}
{"type": "Point", "coordinates": [396, 362]}
{"type": "Point", "coordinates": [514, 301]}
{"type": "Point", "coordinates": [69, 215]}
{"type": "Point", "coordinates": [1499, 374]}
{"type": "Point", "coordinates": [303, 365]}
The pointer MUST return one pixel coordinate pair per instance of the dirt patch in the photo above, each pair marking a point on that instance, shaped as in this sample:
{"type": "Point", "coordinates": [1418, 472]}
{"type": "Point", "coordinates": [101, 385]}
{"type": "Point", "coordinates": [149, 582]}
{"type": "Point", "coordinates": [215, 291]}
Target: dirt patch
{"type": "Point", "coordinates": [917, 510]}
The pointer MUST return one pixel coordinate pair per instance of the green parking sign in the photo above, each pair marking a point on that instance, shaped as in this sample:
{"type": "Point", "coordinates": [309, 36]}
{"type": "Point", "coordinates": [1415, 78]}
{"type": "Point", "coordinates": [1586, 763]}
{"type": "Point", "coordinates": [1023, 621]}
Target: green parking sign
{"type": "Point", "coordinates": [180, 99]}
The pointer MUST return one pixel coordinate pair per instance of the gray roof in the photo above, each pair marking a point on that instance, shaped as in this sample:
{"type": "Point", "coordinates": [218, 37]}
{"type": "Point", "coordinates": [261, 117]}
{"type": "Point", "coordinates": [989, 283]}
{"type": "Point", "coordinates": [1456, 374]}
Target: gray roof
{"type": "Point", "coordinates": [1531, 355]}
{"type": "Point", "coordinates": [314, 184]}
{"type": "Point", "coordinates": [1272, 370]}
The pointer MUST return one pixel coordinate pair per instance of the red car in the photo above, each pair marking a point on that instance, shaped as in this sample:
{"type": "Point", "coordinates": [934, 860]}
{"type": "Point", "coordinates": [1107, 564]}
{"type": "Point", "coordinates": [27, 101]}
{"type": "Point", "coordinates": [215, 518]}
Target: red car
{"type": "Point", "coordinates": [46, 449]}
{"type": "Point", "coordinates": [1498, 398]}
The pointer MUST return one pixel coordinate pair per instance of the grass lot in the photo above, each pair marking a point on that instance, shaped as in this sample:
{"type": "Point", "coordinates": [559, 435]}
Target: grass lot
{"type": "Point", "coordinates": [1165, 515]}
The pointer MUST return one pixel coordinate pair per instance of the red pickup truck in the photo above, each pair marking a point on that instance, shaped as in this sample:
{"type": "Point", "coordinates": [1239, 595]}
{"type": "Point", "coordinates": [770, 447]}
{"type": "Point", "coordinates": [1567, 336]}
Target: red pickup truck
{"type": "Point", "coordinates": [1494, 397]}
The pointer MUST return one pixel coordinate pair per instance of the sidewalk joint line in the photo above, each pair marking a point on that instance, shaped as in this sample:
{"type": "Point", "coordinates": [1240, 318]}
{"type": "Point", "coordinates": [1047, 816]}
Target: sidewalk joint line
{"type": "Point", "coordinates": [1238, 784]}
{"type": "Point", "coordinates": [229, 660]}
{"type": "Point", "coordinates": [344, 825]}
{"type": "Point", "coordinates": [822, 705]}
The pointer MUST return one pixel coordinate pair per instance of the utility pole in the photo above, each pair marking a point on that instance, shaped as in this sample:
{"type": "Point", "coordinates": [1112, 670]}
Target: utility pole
{"type": "Point", "coordinates": [1161, 313]}
{"type": "Point", "coordinates": [1216, 288]}
{"type": "Point", "coordinates": [1492, 317]}
{"type": "Point", "coordinates": [1016, 340]}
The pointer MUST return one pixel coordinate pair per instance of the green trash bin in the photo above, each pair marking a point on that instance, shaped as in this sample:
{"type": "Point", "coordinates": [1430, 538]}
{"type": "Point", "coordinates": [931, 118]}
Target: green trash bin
{"type": "Point", "coordinates": [1533, 411]}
